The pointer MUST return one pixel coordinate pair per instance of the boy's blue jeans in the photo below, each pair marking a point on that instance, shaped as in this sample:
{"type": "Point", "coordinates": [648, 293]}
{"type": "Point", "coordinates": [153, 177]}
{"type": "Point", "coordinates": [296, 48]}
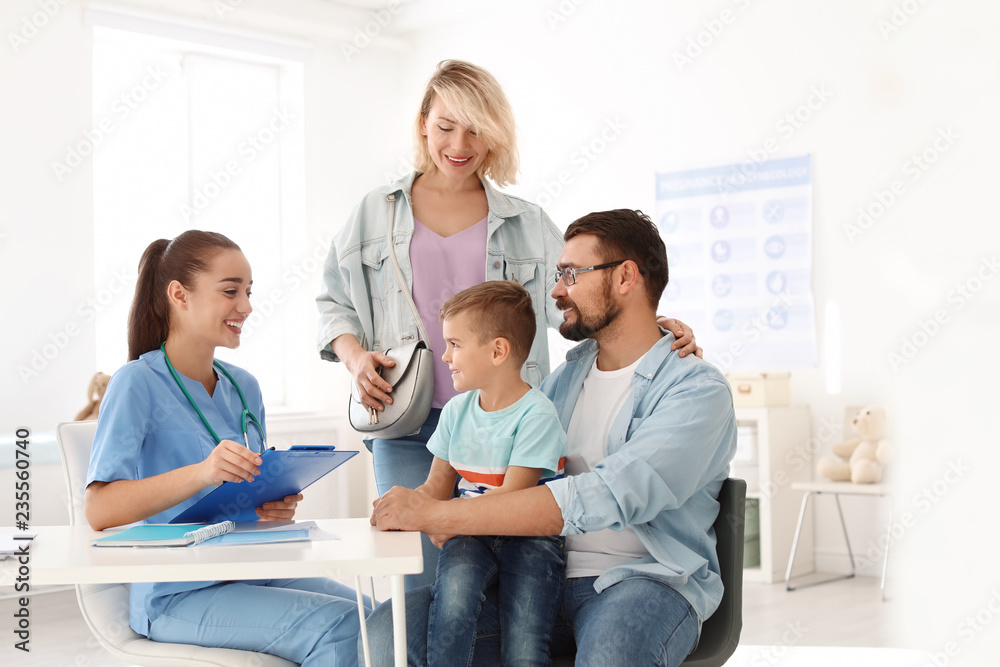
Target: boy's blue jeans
{"type": "Point", "coordinates": [529, 573]}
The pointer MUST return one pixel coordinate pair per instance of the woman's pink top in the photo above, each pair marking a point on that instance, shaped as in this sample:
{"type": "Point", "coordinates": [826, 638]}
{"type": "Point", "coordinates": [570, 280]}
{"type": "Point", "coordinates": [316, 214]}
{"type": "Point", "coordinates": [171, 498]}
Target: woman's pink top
{"type": "Point", "coordinates": [442, 267]}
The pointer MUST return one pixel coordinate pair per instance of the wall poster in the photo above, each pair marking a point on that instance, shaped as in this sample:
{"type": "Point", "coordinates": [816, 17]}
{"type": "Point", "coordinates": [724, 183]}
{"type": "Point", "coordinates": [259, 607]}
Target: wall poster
{"type": "Point", "coordinates": [739, 246]}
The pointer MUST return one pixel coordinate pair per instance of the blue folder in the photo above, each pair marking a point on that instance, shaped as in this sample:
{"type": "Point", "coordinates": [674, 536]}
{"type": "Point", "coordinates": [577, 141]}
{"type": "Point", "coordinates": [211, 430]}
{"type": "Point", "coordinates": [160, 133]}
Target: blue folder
{"type": "Point", "coordinates": [184, 535]}
{"type": "Point", "coordinates": [282, 473]}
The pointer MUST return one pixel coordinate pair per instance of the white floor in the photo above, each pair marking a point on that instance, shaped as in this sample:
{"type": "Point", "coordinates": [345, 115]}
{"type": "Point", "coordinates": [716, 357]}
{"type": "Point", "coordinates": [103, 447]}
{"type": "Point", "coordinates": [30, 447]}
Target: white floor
{"type": "Point", "coordinates": [825, 656]}
{"type": "Point", "coordinates": [835, 624]}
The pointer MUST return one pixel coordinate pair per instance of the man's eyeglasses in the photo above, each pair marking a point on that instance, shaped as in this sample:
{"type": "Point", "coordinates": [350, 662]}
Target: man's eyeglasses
{"type": "Point", "coordinates": [569, 274]}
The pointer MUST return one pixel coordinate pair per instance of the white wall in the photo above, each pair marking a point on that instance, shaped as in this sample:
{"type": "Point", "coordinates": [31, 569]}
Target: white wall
{"type": "Point", "coordinates": [46, 251]}
{"type": "Point", "coordinates": [888, 98]}
{"type": "Point", "coordinates": [46, 245]}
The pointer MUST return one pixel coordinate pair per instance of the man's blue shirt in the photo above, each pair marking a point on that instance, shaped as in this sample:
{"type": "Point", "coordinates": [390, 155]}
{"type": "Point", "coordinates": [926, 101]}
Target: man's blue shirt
{"type": "Point", "coordinates": [667, 455]}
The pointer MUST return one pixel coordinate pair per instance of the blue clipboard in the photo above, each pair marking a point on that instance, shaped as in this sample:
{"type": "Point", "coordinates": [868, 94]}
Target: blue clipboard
{"type": "Point", "coordinates": [282, 473]}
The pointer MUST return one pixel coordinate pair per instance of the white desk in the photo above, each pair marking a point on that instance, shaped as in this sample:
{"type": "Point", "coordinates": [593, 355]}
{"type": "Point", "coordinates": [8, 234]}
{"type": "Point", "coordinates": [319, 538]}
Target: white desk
{"type": "Point", "coordinates": [836, 489]}
{"type": "Point", "coordinates": [64, 555]}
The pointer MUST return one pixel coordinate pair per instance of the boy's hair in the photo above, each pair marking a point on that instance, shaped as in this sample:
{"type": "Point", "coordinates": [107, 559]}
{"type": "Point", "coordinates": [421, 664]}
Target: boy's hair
{"type": "Point", "coordinates": [497, 309]}
{"type": "Point", "coordinates": [628, 234]}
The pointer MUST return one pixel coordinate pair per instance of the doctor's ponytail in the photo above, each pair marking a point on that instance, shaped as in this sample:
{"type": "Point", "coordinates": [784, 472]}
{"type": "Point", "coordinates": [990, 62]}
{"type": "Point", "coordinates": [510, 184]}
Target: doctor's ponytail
{"type": "Point", "coordinates": [181, 259]}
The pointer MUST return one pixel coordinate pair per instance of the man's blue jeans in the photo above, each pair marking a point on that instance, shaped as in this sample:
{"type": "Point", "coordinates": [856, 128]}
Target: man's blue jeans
{"type": "Point", "coordinates": [529, 574]}
{"type": "Point", "coordinates": [636, 622]}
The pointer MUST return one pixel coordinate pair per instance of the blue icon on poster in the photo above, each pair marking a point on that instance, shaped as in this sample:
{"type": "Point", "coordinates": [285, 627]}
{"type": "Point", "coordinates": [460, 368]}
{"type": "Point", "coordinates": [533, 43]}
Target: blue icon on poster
{"type": "Point", "coordinates": [719, 217]}
{"type": "Point", "coordinates": [722, 285]}
{"type": "Point", "coordinates": [721, 251]}
{"type": "Point", "coordinates": [776, 318]}
{"type": "Point", "coordinates": [773, 211]}
{"type": "Point", "coordinates": [774, 247]}
{"type": "Point", "coordinates": [723, 320]}
{"type": "Point", "coordinates": [670, 221]}
{"type": "Point", "coordinates": [776, 282]}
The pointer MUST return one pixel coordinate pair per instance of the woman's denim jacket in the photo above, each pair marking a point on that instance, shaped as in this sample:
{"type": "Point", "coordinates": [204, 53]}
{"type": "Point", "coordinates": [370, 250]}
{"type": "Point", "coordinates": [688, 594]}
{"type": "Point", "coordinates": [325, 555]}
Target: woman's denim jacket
{"type": "Point", "coordinates": [361, 296]}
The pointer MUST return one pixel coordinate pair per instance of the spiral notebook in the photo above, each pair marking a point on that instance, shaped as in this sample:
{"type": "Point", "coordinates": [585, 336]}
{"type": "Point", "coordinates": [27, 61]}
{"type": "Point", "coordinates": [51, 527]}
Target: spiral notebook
{"type": "Point", "coordinates": [174, 535]}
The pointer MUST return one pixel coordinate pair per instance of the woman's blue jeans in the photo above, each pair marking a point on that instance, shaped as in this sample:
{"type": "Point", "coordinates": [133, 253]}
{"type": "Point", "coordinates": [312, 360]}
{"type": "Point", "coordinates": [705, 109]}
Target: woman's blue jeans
{"type": "Point", "coordinates": [637, 621]}
{"type": "Point", "coordinates": [406, 462]}
{"type": "Point", "coordinates": [313, 622]}
{"type": "Point", "coordinates": [529, 573]}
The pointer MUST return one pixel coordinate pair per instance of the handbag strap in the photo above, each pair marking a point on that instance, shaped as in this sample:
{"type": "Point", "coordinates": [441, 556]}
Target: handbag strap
{"type": "Point", "coordinates": [399, 273]}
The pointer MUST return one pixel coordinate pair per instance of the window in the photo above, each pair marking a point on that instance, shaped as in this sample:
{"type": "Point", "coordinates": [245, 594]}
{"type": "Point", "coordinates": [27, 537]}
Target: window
{"type": "Point", "coordinates": [189, 134]}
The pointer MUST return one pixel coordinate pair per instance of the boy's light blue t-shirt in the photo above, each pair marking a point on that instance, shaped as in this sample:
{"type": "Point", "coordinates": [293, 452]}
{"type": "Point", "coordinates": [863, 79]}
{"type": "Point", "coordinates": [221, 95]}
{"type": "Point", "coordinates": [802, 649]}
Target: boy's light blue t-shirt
{"type": "Point", "coordinates": [481, 445]}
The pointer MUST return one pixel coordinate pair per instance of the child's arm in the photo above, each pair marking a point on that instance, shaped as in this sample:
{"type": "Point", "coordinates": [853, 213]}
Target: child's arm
{"type": "Point", "coordinates": [517, 478]}
{"type": "Point", "coordinates": [126, 501]}
{"type": "Point", "coordinates": [441, 480]}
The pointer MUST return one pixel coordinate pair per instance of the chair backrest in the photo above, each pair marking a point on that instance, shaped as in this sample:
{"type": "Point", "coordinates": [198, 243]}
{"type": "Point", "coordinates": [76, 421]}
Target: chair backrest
{"type": "Point", "coordinates": [75, 440]}
{"type": "Point", "coordinates": [105, 607]}
{"type": "Point", "coordinates": [720, 634]}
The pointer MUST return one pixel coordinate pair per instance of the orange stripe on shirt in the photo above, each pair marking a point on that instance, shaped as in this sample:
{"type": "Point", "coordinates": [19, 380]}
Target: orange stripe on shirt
{"type": "Point", "coordinates": [482, 478]}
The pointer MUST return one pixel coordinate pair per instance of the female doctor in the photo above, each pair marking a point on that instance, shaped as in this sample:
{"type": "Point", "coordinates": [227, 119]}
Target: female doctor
{"type": "Point", "coordinates": [171, 428]}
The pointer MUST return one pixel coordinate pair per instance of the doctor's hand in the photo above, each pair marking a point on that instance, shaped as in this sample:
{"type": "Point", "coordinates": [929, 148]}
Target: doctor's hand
{"type": "Point", "coordinates": [229, 462]}
{"type": "Point", "coordinates": [685, 337]}
{"type": "Point", "coordinates": [403, 509]}
{"type": "Point", "coordinates": [279, 510]}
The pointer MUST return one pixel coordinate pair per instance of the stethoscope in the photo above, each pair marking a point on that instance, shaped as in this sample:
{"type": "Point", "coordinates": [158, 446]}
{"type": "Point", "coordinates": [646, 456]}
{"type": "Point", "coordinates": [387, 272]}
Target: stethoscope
{"type": "Point", "coordinates": [246, 418]}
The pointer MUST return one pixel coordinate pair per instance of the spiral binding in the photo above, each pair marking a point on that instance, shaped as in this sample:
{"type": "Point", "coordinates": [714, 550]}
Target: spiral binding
{"type": "Point", "coordinates": [208, 532]}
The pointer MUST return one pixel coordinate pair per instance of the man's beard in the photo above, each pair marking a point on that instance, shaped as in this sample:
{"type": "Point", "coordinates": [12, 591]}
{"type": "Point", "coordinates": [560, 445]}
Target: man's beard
{"type": "Point", "coordinates": [589, 327]}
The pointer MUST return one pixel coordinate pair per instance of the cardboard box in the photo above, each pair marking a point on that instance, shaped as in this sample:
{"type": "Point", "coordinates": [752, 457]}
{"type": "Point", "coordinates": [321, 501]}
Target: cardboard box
{"type": "Point", "coordinates": [760, 390]}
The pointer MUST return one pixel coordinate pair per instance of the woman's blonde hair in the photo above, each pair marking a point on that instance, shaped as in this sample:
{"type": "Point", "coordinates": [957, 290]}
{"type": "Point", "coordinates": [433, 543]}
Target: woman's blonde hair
{"type": "Point", "coordinates": [477, 101]}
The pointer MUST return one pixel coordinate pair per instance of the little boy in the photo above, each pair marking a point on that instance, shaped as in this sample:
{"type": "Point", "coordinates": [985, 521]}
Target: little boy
{"type": "Point", "coordinates": [500, 435]}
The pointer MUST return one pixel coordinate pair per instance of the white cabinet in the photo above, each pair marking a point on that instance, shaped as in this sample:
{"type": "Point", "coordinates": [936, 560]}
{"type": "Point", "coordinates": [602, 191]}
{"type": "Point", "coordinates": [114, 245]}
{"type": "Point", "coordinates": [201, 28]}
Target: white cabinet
{"type": "Point", "coordinates": [781, 454]}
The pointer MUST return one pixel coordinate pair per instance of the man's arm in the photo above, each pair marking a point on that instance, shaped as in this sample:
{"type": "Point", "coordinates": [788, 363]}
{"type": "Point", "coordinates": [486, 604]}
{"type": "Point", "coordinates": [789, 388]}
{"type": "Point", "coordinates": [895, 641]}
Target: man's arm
{"type": "Point", "coordinates": [515, 479]}
{"type": "Point", "coordinates": [668, 458]}
{"type": "Point", "coordinates": [683, 443]}
{"type": "Point", "coordinates": [529, 512]}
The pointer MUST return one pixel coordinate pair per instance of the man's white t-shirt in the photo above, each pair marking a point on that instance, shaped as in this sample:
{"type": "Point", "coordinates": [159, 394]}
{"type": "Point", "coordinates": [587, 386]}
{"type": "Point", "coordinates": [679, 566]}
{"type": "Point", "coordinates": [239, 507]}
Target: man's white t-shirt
{"type": "Point", "coordinates": [603, 396]}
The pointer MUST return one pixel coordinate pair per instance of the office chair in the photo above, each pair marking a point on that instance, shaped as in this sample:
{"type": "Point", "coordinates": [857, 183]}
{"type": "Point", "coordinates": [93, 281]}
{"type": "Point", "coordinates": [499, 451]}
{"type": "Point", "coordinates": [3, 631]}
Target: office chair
{"type": "Point", "coordinates": [720, 634]}
{"type": "Point", "coordinates": [105, 607]}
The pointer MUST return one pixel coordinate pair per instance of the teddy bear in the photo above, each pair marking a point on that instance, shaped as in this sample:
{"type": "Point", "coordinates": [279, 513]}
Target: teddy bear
{"type": "Point", "coordinates": [95, 394]}
{"type": "Point", "coordinates": [861, 459]}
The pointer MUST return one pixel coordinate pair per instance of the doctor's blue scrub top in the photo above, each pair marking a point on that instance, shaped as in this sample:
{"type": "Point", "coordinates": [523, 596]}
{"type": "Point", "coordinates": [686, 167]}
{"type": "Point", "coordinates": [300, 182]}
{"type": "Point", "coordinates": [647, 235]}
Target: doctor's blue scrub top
{"type": "Point", "coordinates": [147, 427]}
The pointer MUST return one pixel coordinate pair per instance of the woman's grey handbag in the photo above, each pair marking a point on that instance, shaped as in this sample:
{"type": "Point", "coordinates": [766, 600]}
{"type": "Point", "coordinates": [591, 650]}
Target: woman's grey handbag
{"type": "Point", "coordinates": [412, 378]}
